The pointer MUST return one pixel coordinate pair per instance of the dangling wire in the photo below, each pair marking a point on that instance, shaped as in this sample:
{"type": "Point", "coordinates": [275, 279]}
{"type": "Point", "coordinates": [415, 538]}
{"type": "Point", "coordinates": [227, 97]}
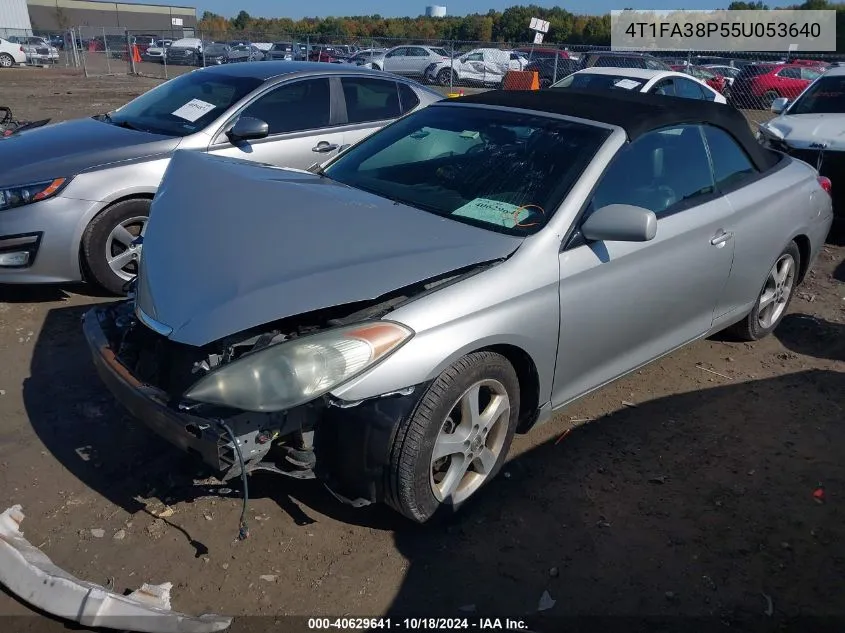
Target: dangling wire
{"type": "Point", "coordinates": [243, 528]}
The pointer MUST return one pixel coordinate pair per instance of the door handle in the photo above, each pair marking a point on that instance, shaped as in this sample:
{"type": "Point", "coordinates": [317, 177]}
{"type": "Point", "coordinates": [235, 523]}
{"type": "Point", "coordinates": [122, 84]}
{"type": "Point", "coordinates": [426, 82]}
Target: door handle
{"type": "Point", "coordinates": [721, 238]}
{"type": "Point", "coordinates": [324, 147]}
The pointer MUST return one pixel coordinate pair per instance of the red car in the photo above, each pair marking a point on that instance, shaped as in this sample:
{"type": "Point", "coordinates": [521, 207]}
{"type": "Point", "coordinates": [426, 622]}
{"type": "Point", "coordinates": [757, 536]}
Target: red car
{"type": "Point", "coordinates": [758, 85]}
{"type": "Point", "coordinates": [325, 54]}
{"type": "Point", "coordinates": [537, 53]}
{"type": "Point", "coordinates": [712, 79]}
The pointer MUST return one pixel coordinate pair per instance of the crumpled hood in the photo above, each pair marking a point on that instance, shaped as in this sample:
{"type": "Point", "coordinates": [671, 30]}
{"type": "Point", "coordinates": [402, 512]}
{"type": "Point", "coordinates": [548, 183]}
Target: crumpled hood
{"type": "Point", "coordinates": [232, 245]}
{"type": "Point", "coordinates": [65, 149]}
{"type": "Point", "coordinates": [802, 130]}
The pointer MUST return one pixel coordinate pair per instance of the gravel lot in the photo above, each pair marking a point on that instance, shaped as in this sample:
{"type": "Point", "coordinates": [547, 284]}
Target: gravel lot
{"type": "Point", "coordinates": [697, 501]}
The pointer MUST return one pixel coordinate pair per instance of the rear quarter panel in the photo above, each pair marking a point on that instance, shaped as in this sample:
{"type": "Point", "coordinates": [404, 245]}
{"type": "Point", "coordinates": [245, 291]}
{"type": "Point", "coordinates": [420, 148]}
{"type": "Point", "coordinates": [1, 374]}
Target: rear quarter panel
{"type": "Point", "coordinates": [768, 214]}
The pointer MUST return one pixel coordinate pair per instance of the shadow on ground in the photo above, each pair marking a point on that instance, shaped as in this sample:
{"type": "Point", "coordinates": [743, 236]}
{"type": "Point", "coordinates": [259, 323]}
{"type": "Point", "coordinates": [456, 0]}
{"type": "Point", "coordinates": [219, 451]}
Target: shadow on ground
{"type": "Point", "coordinates": [812, 336]}
{"type": "Point", "coordinates": [697, 504]}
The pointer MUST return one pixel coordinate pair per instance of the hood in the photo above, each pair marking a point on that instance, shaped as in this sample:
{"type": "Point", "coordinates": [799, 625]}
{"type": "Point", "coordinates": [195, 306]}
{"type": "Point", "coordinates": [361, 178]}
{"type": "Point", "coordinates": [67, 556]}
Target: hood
{"type": "Point", "coordinates": [802, 130]}
{"type": "Point", "coordinates": [71, 147]}
{"type": "Point", "coordinates": [270, 243]}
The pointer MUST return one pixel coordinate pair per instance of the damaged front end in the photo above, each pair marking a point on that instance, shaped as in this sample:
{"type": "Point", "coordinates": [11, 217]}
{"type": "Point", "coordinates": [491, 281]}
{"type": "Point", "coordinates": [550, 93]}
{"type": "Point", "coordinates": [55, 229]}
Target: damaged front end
{"type": "Point", "coordinates": [268, 389]}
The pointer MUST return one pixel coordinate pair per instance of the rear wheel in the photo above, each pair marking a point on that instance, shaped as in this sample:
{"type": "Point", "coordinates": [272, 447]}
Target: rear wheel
{"type": "Point", "coordinates": [6, 60]}
{"type": "Point", "coordinates": [457, 439]}
{"type": "Point", "coordinates": [108, 254]}
{"type": "Point", "coordinates": [447, 77]}
{"type": "Point", "coordinates": [774, 298]}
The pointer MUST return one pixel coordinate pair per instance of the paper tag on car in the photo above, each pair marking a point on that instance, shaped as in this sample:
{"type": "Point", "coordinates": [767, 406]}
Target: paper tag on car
{"type": "Point", "coordinates": [627, 84]}
{"type": "Point", "coordinates": [194, 109]}
{"type": "Point", "coordinates": [493, 212]}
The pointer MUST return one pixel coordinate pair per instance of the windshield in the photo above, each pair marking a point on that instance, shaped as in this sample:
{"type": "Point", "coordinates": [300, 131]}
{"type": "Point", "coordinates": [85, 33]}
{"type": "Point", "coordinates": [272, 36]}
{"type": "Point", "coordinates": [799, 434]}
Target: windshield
{"type": "Point", "coordinates": [216, 49]}
{"type": "Point", "coordinates": [503, 171]}
{"type": "Point", "coordinates": [440, 51]}
{"type": "Point", "coordinates": [825, 96]}
{"type": "Point", "coordinates": [595, 81]}
{"type": "Point", "coordinates": [184, 105]}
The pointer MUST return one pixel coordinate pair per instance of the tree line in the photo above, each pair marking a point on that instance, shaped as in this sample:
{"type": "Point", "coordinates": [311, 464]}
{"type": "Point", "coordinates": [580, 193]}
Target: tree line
{"type": "Point", "coordinates": [510, 25]}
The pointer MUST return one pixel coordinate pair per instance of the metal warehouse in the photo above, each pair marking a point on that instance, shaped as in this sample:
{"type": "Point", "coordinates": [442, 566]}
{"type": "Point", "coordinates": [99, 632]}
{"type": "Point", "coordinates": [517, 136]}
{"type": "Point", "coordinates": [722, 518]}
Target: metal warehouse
{"type": "Point", "coordinates": [58, 15]}
{"type": "Point", "coordinates": [14, 18]}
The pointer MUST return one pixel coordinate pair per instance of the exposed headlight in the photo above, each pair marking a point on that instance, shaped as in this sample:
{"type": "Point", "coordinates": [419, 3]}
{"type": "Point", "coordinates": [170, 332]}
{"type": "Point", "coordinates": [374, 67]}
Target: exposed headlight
{"type": "Point", "coordinates": [294, 372]}
{"type": "Point", "coordinates": [26, 194]}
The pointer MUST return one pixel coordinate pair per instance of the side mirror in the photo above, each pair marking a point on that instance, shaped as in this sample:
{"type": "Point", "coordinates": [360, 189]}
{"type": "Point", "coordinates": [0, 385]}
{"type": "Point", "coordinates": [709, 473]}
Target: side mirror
{"type": "Point", "coordinates": [779, 105]}
{"type": "Point", "coordinates": [248, 128]}
{"type": "Point", "coordinates": [620, 223]}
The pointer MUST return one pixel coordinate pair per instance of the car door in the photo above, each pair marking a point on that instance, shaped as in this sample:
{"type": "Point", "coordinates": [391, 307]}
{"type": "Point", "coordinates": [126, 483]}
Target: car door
{"type": "Point", "coordinates": [757, 233]}
{"type": "Point", "coordinates": [471, 66]}
{"type": "Point", "coordinates": [417, 61]}
{"type": "Point", "coordinates": [789, 82]}
{"type": "Point", "coordinates": [370, 105]}
{"type": "Point", "coordinates": [396, 61]}
{"type": "Point", "coordinates": [623, 304]}
{"type": "Point", "coordinates": [302, 122]}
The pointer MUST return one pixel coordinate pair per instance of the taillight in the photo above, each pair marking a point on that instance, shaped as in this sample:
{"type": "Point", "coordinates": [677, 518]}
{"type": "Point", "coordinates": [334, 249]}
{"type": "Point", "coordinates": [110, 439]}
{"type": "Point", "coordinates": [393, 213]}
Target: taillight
{"type": "Point", "coordinates": [825, 184]}
{"type": "Point", "coordinates": [22, 50]}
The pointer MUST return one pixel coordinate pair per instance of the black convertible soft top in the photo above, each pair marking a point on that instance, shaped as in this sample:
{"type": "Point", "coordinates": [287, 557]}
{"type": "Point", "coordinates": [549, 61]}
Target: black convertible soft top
{"type": "Point", "coordinates": [635, 112]}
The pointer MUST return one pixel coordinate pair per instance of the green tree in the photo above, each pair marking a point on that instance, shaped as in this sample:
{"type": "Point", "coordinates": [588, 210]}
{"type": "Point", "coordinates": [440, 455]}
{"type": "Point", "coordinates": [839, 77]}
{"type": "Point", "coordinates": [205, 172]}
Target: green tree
{"type": "Point", "coordinates": [241, 21]}
{"type": "Point", "coordinates": [748, 6]}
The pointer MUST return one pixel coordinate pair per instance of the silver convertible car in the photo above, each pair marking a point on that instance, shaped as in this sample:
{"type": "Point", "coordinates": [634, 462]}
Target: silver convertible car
{"type": "Point", "coordinates": [386, 322]}
{"type": "Point", "coordinates": [75, 195]}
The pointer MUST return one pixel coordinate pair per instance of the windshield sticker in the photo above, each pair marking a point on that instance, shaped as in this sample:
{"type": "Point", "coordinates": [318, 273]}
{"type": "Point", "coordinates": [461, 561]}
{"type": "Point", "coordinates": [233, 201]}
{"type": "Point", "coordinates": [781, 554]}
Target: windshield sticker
{"type": "Point", "coordinates": [194, 109]}
{"type": "Point", "coordinates": [494, 212]}
{"type": "Point", "coordinates": [627, 84]}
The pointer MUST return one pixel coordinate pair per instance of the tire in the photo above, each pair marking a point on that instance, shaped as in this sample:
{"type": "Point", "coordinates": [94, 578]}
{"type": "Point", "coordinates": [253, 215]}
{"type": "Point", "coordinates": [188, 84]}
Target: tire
{"type": "Point", "coordinates": [447, 77]}
{"type": "Point", "coordinates": [376, 67]}
{"type": "Point", "coordinates": [545, 83]}
{"type": "Point", "coordinates": [6, 60]}
{"type": "Point", "coordinates": [99, 239]}
{"type": "Point", "coordinates": [412, 487]}
{"type": "Point", "coordinates": [769, 97]}
{"type": "Point", "coordinates": [760, 322]}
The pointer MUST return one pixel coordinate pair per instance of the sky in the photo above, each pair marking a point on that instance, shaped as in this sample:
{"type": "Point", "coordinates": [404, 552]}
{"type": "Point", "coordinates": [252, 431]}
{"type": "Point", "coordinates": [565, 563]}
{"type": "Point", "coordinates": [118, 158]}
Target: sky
{"type": "Point", "coordinates": [395, 8]}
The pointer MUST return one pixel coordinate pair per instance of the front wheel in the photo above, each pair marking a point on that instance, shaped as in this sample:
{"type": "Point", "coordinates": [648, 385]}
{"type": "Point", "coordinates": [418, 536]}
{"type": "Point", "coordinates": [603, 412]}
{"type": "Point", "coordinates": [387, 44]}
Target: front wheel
{"type": "Point", "coordinates": [457, 439]}
{"type": "Point", "coordinates": [774, 298]}
{"type": "Point", "coordinates": [6, 60]}
{"type": "Point", "coordinates": [109, 255]}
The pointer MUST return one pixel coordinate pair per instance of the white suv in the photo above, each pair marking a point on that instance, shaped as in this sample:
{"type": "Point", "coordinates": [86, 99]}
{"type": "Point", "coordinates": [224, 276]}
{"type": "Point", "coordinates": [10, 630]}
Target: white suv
{"type": "Point", "coordinates": [11, 54]}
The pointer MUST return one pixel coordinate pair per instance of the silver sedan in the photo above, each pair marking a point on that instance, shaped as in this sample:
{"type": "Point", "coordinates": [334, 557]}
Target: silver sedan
{"type": "Point", "coordinates": [387, 323]}
{"type": "Point", "coordinates": [74, 196]}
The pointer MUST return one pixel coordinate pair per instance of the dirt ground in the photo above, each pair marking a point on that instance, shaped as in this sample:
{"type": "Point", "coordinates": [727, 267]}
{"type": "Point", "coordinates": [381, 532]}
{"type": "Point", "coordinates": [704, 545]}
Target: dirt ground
{"type": "Point", "coordinates": [688, 494]}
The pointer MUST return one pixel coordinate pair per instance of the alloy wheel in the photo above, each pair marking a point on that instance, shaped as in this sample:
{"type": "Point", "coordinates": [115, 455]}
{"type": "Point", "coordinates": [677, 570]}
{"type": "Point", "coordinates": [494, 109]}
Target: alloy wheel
{"type": "Point", "coordinates": [470, 441]}
{"type": "Point", "coordinates": [776, 292]}
{"type": "Point", "coordinates": [122, 255]}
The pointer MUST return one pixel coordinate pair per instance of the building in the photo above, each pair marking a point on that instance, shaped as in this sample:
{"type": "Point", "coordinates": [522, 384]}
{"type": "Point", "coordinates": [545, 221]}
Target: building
{"type": "Point", "coordinates": [59, 15]}
{"type": "Point", "coordinates": [14, 18]}
{"type": "Point", "coordinates": [435, 11]}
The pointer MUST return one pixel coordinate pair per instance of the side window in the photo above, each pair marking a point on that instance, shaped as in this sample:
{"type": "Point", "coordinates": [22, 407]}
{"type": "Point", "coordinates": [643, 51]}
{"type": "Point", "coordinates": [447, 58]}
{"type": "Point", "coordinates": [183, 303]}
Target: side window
{"type": "Point", "coordinates": [408, 98]}
{"type": "Point", "coordinates": [688, 89]}
{"type": "Point", "coordinates": [731, 164]}
{"type": "Point", "coordinates": [657, 171]}
{"type": "Point", "coordinates": [654, 65]}
{"type": "Point", "coordinates": [665, 87]}
{"type": "Point", "coordinates": [475, 57]}
{"type": "Point", "coordinates": [370, 99]}
{"type": "Point", "coordinates": [809, 73]}
{"type": "Point", "coordinates": [790, 73]}
{"type": "Point", "coordinates": [417, 52]}
{"type": "Point", "coordinates": [399, 52]}
{"type": "Point", "coordinates": [298, 106]}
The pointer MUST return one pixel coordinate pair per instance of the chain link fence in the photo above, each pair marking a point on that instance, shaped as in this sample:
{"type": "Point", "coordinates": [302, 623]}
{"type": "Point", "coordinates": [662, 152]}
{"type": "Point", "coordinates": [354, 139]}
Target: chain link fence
{"type": "Point", "coordinates": [750, 81]}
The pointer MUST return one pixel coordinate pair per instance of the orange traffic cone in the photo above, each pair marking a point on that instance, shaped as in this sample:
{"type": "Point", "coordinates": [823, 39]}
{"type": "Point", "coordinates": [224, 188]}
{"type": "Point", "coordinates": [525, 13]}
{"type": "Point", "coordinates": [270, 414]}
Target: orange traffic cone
{"type": "Point", "coordinates": [136, 55]}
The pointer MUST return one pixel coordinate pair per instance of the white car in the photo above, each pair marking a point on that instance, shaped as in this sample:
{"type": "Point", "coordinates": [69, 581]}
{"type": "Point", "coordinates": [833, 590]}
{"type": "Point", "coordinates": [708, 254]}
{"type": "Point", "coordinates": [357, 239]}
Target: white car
{"type": "Point", "coordinates": [486, 66]}
{"type": "Point", "coordinates": [37, 49]}
{"type": "Point", "coordinates": [663, 82]}
{"type": "Point", "coordinates": [155, 53]}
{"type": "Point", "coordinates": [11, 54]}
{"type": "Point", "coordinates": [812, 128]}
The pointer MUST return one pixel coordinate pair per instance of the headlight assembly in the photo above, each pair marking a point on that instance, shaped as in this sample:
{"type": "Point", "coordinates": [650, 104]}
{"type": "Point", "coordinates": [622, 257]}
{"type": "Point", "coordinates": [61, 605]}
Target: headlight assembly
{"type": "Point", "coordinates": [297, 371]}
{"type": "Point", "coordinates": [11, 197]}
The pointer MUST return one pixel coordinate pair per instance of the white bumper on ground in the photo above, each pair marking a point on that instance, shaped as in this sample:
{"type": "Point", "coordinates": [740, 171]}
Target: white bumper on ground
{"type": "Point", "coordinates": [28, 573]}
